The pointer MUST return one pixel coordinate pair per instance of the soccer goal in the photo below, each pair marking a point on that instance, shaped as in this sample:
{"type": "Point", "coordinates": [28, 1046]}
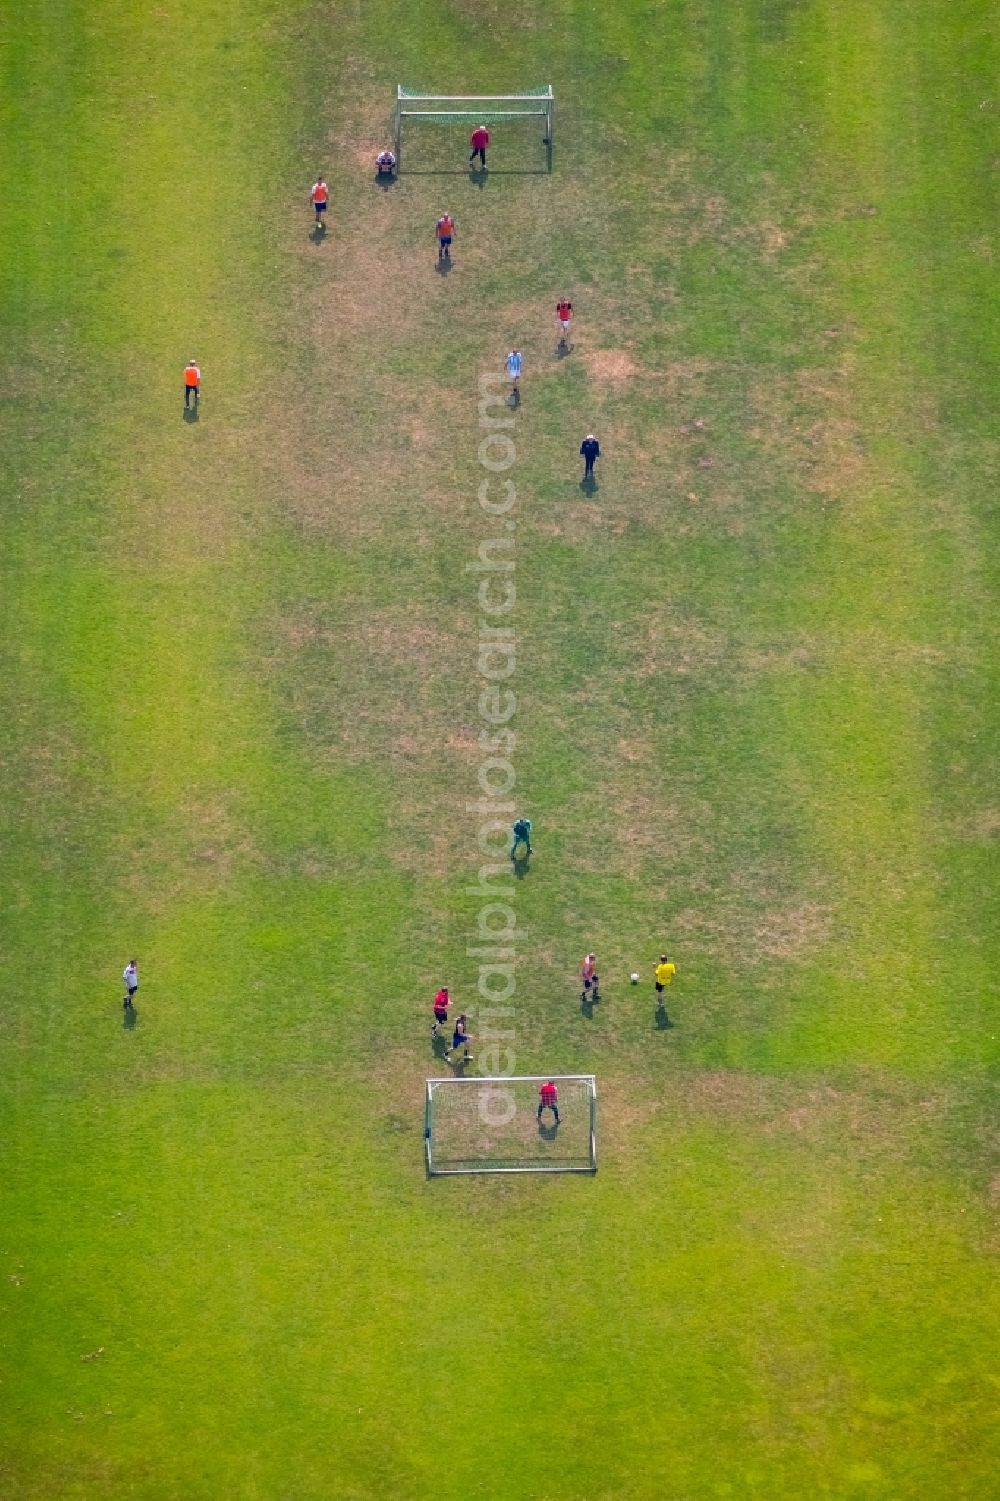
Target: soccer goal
{"type": "Point", "coordinates": [525, 120]}
{"type": "Point", "coordinates": [491, 1125]}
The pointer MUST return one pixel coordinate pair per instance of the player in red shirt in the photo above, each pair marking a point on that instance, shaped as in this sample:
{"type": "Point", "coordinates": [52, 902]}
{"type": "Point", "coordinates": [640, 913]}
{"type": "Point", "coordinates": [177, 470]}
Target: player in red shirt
{"type": "Point", "coordinates": [548, 1097]}
{"type": "Point", "coordinates": [479, 140]}
{"type": "Point", "coordinates": [564, 312]}
{"type": "Point", "coordinates": [591, 982]}
{"type": "Point", "coordinates": [441, 1003]}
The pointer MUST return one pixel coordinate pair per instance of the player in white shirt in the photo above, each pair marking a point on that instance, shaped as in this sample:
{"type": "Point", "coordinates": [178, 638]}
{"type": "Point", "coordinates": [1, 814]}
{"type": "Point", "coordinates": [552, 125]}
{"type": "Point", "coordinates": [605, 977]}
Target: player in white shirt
{"type": "Point", "coordinates": [512, 364]}
{"type": "Point", "coordinates": [130, 974]}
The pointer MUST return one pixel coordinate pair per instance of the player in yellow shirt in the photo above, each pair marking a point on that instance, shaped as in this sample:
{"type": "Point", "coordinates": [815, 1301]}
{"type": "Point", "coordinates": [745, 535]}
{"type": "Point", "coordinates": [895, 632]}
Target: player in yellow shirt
{"type": "Point", "coordinates": [665, 972]}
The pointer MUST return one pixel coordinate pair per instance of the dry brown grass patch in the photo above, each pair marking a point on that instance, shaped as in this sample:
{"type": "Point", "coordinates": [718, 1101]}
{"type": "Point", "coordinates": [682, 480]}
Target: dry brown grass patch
{"type": "Point", "coordinates": [746, 921]}
{"type": "Point", "coordinates": [334, 486]}
{"type": "Point", "coordinates": [645, 826]}
{"type": "Point", "coordinates": [681, 376]}
{"type": "Point", "coordinates": [810, 430]}
{"type": "Point", "coordinates": [782, 657]}
{"type": "Point", "coordinates": [577, 523]}
{"type": "Point", "coordinates": [390, 691]}
{"type": "Point", "coordinates": [614, 365]}
{"type": "Point", "coordinates": [496, 15]}
{"type": "Point", "coordinates": [622, 1115]}
{"type": "Point", "coordinates": [669, 646]}
{"type": "Point", "coordinates": [982, 825]}
{"type": "Point", "coordinates": [793, 931]}
{"type": "Point", "coordinates": [363, 293]}
{"type": "Point", "coordinates": [635, 752]}
{"type": "Point", "coordinates": [697, 217]}
{"type": "Point", "coordinates": [218, 840]}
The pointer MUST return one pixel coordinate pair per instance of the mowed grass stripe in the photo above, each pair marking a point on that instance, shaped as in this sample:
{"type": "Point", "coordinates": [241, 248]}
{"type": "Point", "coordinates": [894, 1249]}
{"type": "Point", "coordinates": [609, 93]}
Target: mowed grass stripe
{"type": "Point", "coordinates": [149, 632]}
{"type": "Point", "coordinates": [876, 713]}
{"type": "Point", "coordinates": [136, 617]}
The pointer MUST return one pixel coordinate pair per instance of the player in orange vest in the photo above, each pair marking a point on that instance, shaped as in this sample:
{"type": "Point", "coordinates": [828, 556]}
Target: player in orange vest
{"type": "Point", "coordinates": [444, 229]}
{"type": "Point", "coordinates": [320, 197]}
{"type": "Point", "coordinates": [192, 384]}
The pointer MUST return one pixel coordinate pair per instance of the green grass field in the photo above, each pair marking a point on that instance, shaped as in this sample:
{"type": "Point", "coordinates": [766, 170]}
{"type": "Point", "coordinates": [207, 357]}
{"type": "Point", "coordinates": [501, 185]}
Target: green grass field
{"type": "Point", "coordinates": [757, 685]}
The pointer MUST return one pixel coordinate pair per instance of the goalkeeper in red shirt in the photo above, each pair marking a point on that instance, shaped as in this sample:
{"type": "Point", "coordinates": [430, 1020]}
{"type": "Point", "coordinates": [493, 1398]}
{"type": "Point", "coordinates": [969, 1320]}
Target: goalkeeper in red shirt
{"type": "Point", "coordinates": [479, 140]}
{"type": "Point", "coordinates": [548, 1097]}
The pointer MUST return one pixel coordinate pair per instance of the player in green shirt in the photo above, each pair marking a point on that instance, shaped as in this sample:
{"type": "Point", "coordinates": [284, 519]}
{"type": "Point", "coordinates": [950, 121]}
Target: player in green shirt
{"type": "Point", "coordinates": [522, 835]}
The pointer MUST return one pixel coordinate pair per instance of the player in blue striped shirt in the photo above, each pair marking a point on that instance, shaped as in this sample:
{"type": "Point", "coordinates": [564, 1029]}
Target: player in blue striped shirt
{"type": "Point", "coordinates": [512, 365]}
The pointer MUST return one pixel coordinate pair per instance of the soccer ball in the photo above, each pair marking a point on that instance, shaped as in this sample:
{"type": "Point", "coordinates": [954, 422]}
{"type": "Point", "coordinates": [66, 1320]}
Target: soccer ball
{"type": "Point", "coordinates": [634, 978]}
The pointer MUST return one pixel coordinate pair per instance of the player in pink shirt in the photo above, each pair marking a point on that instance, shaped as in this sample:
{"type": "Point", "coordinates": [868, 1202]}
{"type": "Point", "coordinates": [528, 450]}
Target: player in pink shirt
{"type": "Point", "coordinates": [589, 977]}
{"type": "Point", "coordinates": [548, 1097]}
{"type": "Point", "coordinates": [479, 140]}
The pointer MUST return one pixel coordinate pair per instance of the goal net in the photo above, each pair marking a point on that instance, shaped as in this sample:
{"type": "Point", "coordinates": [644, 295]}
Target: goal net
{"type": "Point", "coordinates": [491, 1125]}
{"type": "Point", "coordinates": [522, 140]}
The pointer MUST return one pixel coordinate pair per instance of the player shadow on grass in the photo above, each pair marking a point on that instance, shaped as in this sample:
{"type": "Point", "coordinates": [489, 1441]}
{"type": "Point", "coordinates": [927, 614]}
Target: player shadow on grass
{"type": "Point", "coordinates": [129, 1019]}
{"type": "Point", "coordinates": [478, 176]}
{"type": "Point", "coordinates": [587, 1007]}
{"type": "Point", "coordinates": [385, 182]}
{"type": "Point", "coordinates": [190, 414]}
{"type": "Point", "coordinates": [443, 265]}
{"type": "Point", "coordinates": [662, 1020]}
{"type": "Point", "coordinates": [317, 234]}
{"type": "Point", "coordinates": [548, 1130]}
{"type": "Point", "coordinates": [562, 350]}
{"type": "Point", "coordinates": [589, 486]}
{"type": "Point", "coordinates": [520, 865]}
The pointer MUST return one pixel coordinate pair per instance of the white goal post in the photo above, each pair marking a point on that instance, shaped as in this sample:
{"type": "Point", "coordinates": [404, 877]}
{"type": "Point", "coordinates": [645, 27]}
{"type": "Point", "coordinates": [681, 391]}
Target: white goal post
{"type": "Point", "coordinates": [476, 109]}
{"type": "Point", "coordinates": [486, 1124]}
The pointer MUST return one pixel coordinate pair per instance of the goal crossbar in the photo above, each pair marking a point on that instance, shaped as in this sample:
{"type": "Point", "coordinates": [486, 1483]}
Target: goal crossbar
{"type": "Point", "coordinates": [409, 95]}
{"type": "Point", "coordinates": [491, 1124]}
{"type": "Point", "coordinates": [470, 114]}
